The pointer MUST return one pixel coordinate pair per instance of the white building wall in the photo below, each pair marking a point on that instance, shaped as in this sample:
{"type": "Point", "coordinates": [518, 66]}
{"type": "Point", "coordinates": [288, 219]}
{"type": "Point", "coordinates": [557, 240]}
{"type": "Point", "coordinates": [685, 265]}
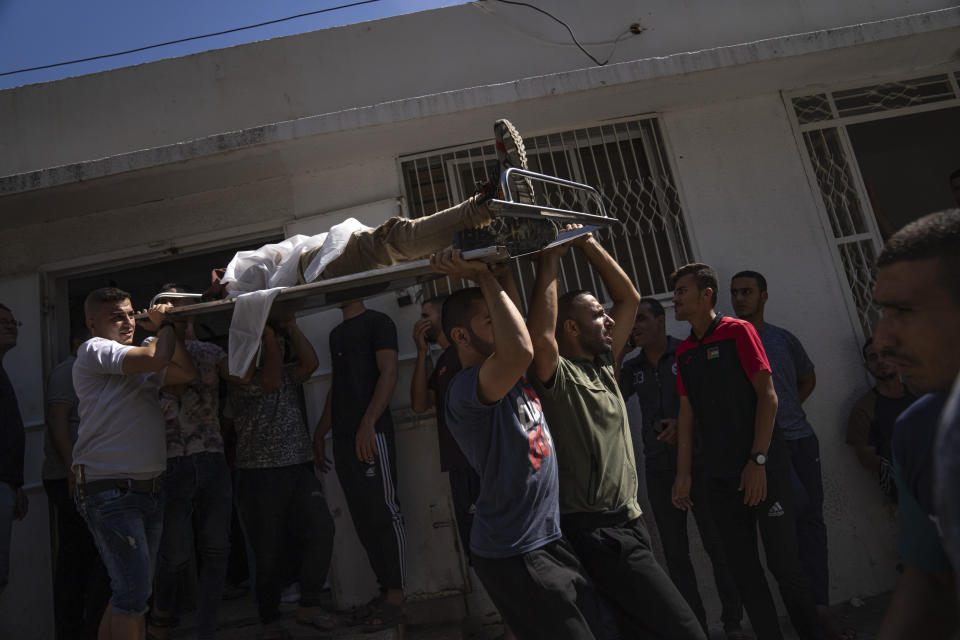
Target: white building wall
{"type": "Point", "coordinates": [178, 99]}
{"type": "Point", "coordinates": [749, 206]}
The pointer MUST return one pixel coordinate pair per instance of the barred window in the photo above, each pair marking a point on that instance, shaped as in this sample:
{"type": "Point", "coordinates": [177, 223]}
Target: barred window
{"type": "Point", "coordinates": [625, 161]}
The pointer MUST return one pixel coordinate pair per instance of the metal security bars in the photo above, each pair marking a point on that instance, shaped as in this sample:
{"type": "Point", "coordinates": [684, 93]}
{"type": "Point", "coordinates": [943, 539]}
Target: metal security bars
{"type": "Point", "coordinates": [821, 119]}
{"type": "Point", "coordinates": [625, 161]}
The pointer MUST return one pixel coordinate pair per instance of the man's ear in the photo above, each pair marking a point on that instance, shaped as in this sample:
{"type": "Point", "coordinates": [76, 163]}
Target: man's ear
{"type": "Point", "coordinates": [458, 336]}
{"type": "Point", "coordinates": [763, 296]}
{"type": "Point", "coordinates": [570, 327]}
{"type": "Point", "coordinates": [707, 293]}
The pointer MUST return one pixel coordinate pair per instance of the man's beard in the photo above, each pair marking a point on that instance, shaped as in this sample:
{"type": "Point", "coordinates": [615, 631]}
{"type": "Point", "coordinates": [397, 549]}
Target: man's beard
{"type": "Point", "coordinates": [594, 344]}
{"type": "Point", "coordinates": [480, 345]}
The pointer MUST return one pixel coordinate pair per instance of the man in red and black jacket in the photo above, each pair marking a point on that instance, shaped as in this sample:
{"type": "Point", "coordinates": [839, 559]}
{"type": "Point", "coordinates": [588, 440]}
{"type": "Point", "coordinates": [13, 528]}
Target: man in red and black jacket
{"type": "Point", "coordinates": [726, 389]}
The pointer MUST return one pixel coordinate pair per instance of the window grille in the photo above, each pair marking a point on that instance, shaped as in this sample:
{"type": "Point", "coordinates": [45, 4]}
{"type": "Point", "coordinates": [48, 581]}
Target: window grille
{"type": "Point", "coordinates": [624, 161]}
{"type": "Point", "coordinates": [822, 118]}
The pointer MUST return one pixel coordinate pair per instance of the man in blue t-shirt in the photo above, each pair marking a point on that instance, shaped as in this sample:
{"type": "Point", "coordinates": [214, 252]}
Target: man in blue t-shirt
{"type": "Point", "coordinates": [529, 570]}
{"type": "Point", "coordinates": [794, 380]}
{"type": "Point", "coordinates": [919, 293]}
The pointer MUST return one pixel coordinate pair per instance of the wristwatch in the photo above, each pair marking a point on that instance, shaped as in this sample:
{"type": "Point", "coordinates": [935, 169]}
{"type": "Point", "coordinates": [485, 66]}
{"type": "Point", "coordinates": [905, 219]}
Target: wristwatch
{"type": "Point", "coordinates": [759, 459]}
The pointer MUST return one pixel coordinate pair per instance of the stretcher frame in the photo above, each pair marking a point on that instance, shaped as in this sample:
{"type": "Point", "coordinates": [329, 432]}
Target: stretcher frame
{"type": "Point", "coordinates": [329, 293]}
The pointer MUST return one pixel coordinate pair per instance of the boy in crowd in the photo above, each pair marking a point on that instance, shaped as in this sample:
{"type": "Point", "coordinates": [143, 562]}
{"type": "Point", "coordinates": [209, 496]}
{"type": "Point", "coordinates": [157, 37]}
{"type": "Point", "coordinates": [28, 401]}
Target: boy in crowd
{"type": "Point", "coordinates": [652, 375]}
{"type": "Point", "coordinates": [573, 374]}
{"type": "Point", "coordinates": [870, 427]}
{"type": "Point", "coordinates": [121, 450]}
{"type": "Point", "coordinates": [531, 573]}
{"type": "Point", "coordinates": [726, 389]}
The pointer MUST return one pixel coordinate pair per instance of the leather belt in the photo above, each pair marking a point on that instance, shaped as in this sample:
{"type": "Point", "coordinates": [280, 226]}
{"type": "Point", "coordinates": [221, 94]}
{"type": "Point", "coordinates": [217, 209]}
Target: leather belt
{"type": "Point", "coordinates": [151, 486]}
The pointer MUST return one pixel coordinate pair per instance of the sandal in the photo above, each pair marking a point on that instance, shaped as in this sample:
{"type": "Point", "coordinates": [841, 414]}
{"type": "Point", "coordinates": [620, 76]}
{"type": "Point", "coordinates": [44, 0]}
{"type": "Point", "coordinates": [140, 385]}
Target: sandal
{"type": "Point", "coordinates": [387, 615]}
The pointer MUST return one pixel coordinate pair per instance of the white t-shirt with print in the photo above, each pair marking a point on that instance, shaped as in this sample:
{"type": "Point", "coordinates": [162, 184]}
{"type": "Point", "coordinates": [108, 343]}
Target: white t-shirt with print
{"type": "Point", "coordinates": [122, 431]}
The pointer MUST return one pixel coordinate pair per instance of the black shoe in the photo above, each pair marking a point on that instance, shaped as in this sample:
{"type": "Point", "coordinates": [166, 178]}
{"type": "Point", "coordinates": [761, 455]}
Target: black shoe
{"type": "Point", "coordinates": [512, 153]}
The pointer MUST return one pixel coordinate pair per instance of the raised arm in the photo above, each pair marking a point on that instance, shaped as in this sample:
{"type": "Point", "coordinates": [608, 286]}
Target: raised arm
{"type": "Point", "coordinates": [307, 361]}
{"type": "Point", "coordinates": [513, 350]}
{"type": "Point", "coordinates": [271, 369]}
{"type": "Point", "coordinates": [420, 397]}
{"type": "Point", "coordinates": [166, 352]}
{"type": "Point", "coordinates": [625, 296]}
{"type": "Point", "coordinates": [542, 320]}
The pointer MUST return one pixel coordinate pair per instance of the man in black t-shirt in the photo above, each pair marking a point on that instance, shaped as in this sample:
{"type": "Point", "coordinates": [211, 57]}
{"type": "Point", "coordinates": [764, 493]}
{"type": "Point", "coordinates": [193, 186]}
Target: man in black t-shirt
{"type": "Point", "coordinates": [363, 350]}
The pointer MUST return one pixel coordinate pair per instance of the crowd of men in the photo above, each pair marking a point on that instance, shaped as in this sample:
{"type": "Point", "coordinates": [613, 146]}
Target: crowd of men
{"type": "Point", "coordinates": [534, 434]}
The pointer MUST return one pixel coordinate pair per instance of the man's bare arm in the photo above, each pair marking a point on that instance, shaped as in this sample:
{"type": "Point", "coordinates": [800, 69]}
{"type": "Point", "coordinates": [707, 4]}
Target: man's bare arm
{"type": "Point", "coordinates": [387, 364]}
{"type": "Point", "coordinates": [753, 479]}
{"type": "Point", "coordinates": [513, 350]}
{"type": "Point", "coordinates": [271, 369]}
{"type": "Point", "coordinates": [542, 321]}
{"type": "Point", "coordinates": [420, 396]}
{"type": "Point", "coordinates": [683, 481]}
{"type": "Point", "coordinates": [307, 361]}
{"type": "Point", "coordinates": [624, 295]}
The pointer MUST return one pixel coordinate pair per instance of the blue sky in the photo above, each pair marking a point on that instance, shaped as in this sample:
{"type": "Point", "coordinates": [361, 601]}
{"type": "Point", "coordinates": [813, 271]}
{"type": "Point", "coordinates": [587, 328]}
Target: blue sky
{"type": "Point", "coordinates": [38, 32]}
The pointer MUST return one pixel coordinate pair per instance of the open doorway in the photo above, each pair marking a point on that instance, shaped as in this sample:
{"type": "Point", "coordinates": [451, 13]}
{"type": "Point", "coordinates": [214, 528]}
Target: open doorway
{"type": "Point", "coordinates": [906, 164]}
{"type": "Point", "coordinates": [143, 282]}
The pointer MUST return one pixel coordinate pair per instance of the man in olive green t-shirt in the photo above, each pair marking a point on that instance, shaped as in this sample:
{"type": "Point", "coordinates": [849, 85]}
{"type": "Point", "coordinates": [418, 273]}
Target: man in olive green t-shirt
{"type": "Point", "coordinates": [574, 340]}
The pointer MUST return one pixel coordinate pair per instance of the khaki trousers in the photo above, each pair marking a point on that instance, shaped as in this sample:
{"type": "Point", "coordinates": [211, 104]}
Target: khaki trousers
{"type": "Point", "coordinates": [401, 240]}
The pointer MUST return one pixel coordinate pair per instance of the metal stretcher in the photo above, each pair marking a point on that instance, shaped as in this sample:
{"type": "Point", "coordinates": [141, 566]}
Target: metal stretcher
{"type": "Point", "coordinates": [325, 294]}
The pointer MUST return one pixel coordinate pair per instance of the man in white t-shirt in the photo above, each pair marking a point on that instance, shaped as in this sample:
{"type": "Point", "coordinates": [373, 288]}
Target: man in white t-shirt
{"type": "Point", "coordinates": [121, 447]}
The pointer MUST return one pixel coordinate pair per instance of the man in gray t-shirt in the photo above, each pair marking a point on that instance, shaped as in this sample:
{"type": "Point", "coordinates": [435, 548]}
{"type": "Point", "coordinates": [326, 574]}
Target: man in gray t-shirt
{"type": "Point", "coordinates": [121, 447]}
{"type": "Point", "coordinates": [794, 380]}
{"type": "Point", "coordinates": [277, 489]}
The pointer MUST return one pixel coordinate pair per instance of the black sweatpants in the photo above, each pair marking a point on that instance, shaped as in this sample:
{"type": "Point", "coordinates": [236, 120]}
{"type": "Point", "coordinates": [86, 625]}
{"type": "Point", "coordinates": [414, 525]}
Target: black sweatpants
{"type": "Point", "coordinates": [371, 492]}
{"type": "Point", "coordinates": [270, 503]}
{"type": "Point", "coordinates": [811, 529]}
{"type": "Point", "coordinates": [542, 594]}
{"type": "Point", "coordinates": [776, 517]}
{"type": "Point", "coordinates": [672, 525]}
{"type": "Point", "coordinates": [621, 563]}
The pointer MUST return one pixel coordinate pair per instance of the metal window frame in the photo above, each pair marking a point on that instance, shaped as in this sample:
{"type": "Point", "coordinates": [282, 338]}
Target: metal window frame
{"type": "Point", "coordinates": [840, 124]}
{"type": "Point", "coordinates": [681, 239]}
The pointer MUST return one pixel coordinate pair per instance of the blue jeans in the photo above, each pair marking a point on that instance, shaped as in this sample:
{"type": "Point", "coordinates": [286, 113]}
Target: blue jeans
{"type": "Point", "coordinates": [272, 502]}
{"type": "Point", "coordinates": [126, 528]}
{"type": "Point", "coordinates": [8, 500]}
{"type": "Point", "coordinates": [197, 508]}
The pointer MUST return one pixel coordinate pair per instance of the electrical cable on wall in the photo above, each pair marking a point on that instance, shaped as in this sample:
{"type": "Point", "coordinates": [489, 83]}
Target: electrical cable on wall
{"type": "Point", "coordinates": [188, 39]}
{"type": "Point", "coordinates": [570, 31]}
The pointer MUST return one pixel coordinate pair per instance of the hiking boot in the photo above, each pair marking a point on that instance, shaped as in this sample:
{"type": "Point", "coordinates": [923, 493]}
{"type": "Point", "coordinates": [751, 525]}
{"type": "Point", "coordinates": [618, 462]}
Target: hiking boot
{"type": "Point", "coordinates": [518, 235]}
{"type": "Point", "coordinates": [512, 153]}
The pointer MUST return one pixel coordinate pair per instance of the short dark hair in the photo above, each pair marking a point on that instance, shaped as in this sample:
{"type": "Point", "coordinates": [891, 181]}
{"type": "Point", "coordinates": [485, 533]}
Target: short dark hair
{"type": "Point", "coordinates": [6, 308]}
{"type": "Point", "coordinates": [104, 294]}
{"type": "Point", "coordinates": [936, 235]}
{"type": "Point", "coordinates": [954, 175]}
{"type": "Point", "coordinates": [655, 307]}
{"type": "Point", "coordinates": [79, 333]}
{"type": "Point", "coordinates": [565, 307]}
{"type": "Point", "coordinates": [458, 310]}
{"type": "Point", "coordinates": [703, 274]}
{"type": "Point", "coordinates": [866, 345]}
{"type": "Point", "coordinates": [183, 288]}
{"type": "Point", "coordinates": [438, 300]}
{"type": "Point", "coordinates": [756, 275]}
